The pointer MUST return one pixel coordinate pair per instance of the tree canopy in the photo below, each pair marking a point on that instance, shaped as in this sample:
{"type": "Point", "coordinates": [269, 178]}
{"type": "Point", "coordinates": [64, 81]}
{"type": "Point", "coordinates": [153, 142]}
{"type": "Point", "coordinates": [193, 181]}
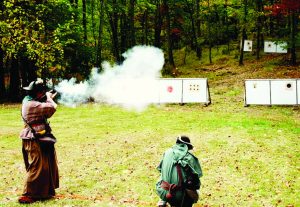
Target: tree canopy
{"type": "Point", "coordinates": [66, 38]}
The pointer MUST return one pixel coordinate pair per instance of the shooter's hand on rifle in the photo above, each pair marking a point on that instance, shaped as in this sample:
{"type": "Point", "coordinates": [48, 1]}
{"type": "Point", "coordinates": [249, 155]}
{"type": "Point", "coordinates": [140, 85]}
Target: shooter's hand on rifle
{"type": "Point", "coordinates": [51, 94]}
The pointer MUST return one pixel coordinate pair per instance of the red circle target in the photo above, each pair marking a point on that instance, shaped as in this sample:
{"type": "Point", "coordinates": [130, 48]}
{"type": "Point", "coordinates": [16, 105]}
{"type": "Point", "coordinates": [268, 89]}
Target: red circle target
{"type": "Point", "coordinates": [170, 89]}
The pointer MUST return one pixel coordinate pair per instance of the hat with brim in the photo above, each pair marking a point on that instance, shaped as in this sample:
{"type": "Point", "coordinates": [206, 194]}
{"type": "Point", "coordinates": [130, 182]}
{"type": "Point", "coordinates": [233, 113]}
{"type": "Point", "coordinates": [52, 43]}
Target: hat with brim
{"type": "Point", "coordinates": [30, 87]}
{"type": "Point", "coordinates": [37, 85]}
{"type": "Point", "coordinates": [185, 140]}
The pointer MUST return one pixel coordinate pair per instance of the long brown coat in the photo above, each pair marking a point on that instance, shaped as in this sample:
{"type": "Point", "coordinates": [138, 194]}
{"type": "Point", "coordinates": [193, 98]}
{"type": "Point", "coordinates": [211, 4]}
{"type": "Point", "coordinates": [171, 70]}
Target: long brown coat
{"type": "Point", "coordinates": [39, 155]}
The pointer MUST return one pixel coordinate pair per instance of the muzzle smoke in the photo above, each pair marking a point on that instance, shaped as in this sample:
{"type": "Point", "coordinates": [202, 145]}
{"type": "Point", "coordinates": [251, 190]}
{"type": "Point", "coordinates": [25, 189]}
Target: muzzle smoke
{"type": "Point", "coordinates": [133, 84]}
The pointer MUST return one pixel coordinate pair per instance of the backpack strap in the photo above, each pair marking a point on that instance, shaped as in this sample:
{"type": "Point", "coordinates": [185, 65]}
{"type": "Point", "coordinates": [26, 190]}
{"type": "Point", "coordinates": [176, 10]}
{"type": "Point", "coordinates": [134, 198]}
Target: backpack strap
{"type": "Point", "coordinates": [35, 133]}
{"type": "Point", "coordinates": [179, 172]}
{"type": "Point", "coordinates": [31, 128]}
{"type": "Point", "coordinates": [172, 188]}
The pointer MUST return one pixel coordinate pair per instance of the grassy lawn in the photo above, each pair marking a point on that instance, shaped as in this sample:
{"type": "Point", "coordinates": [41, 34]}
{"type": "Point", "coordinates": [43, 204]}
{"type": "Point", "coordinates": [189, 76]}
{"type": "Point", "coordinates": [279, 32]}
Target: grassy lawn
{"type": "Point", "coordinates": [108, 156]}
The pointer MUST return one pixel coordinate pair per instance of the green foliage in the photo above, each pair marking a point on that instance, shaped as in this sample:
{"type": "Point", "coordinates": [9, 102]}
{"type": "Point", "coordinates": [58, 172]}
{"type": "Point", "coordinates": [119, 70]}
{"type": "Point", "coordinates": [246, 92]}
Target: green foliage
{"type": "Point", "coordinates": [50, 34]}
{"type": "Point", "coordinates": [32, 30]}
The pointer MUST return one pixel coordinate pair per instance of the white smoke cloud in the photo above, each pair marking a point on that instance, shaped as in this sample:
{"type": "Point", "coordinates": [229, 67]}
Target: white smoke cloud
{"type": "Point", "coordinates": [133, 84]}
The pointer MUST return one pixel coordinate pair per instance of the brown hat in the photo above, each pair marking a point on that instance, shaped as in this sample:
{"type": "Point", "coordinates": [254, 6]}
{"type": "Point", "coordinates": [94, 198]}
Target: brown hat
{"type": "Point", "coordinates": [185, 140]}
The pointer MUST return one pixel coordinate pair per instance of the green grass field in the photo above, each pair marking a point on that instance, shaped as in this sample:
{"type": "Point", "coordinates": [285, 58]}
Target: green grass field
{"type": "Point", "coordinates": [107, 155]}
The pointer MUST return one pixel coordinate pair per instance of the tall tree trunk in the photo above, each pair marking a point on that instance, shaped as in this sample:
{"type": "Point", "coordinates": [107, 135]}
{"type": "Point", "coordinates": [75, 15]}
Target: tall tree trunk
{"type": "Point", "coordinates": [131, 23]}
{"type": "Point", "coordinates": [198, 30]}
{"type": "Point", "coordinates": [146, 31]}
{"type": "Point", "coordinates": [124, 34]}
{"type": "Point", "coordinates": [158, 24]}
{"type": "Point", "coordinates": [271, 24]}
{"type": "Point", "coordinates": [145, 26]}
{"type": "Point", "coordinates": [227, 26]}
{"type": "Point", "coordinates": [243, 35]}
{"type": "Point", "coordinates": [170, 44]}
{"type": "Point", "coordinates": [14, 83]}
{"type": "Point", "coordinates": [2, 83]}
{"type": "Point", "coordinates": [193, 35]}
{"type": "Point", "coordinates": [259, 5]}
{"type": "Point", "coordinates": [210, 35]}
{"type": "Point", "coordinates": [210, 55]}
{"type": "Point", "coordinates": [293, 36]}
{"type": "Point", "coordinates": [241, 60]}
{"type": "Point", "coordinates": [113, 21]}
{"type": "Point", "coordinates": [24, 71]}
{"type": "Point", "coordinates": [93, 22]}
{"type": "Point", "coordinates": [100, 32]}
{"type": "Point", "coordinates": [84, 21]}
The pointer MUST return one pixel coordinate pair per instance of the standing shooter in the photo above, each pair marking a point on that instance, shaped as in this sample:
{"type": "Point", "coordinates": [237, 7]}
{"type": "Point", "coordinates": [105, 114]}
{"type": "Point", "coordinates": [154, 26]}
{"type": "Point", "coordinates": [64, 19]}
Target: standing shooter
{"type": "Point", "coordinates": [38, 144]}
{"type": "Point", "coordinates": [180, 175]}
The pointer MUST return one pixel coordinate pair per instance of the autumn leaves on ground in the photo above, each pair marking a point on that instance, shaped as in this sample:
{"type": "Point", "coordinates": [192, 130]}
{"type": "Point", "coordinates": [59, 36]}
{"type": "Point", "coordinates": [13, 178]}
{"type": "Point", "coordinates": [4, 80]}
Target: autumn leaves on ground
{"type": "Point", "coordinates": [108, 155]}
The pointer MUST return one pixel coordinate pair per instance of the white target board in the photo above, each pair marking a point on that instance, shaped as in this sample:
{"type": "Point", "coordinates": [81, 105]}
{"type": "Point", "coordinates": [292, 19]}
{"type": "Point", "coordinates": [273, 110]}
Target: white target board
{"type": "Point", "coordinates": [195, 90]}
{"type": "Point", "coordinates": [257, 92]}
{"type": "Point", "coordinates": [248, 45]}
{"type": "Point", "coordinates": [275, 47]}
{"type": "Point", "coordinates": [284, 92]}
{"type": "Point", "coordinates": [298, 91]}
{"type": "Point", "coordinates": [170, 90]}
{"type": "Point", "coordinates": [281, 47]}
{"type": "Point", "coordinates": [272, 92]}
{"type": "Point", "coordinates": [269, 47]}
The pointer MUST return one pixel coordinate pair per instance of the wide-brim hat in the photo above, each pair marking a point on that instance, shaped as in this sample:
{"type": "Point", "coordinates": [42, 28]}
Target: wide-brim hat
{"type": "Point", "coordinates": [30, 87]}
{"type": "Point", "coordinates": [185, 140]}
{"type": "Point", "coordinates": [37, 85]}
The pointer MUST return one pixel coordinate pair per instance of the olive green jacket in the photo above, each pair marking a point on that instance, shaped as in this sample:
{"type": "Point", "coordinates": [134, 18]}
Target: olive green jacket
{"type": "Point", "coordinates": [177, 154]}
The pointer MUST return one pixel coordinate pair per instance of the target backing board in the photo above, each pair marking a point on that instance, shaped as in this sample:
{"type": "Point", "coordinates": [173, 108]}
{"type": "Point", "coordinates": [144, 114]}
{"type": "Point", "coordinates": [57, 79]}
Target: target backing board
{"type": "Point", "coordinates": [248, 45]}
{"type": "Point", "coordinates": [269, 47]}
{"type": "Point", "coordinates": [170, 90]}
{"type": "Point", "coordinates": [298, 91]}
{"type": "Point", "coordinates": [257, 91]}
{"type": "Point", "coordinates": [195, 90]}
{"type": "Point", "coordinates": [283, 92]}
{"type": "Point", "coordinates": [281, 47]}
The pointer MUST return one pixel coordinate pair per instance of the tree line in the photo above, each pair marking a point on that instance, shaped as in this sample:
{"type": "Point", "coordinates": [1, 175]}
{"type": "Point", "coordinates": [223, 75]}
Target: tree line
{"type": "Point", "coordinates": [66, 38]}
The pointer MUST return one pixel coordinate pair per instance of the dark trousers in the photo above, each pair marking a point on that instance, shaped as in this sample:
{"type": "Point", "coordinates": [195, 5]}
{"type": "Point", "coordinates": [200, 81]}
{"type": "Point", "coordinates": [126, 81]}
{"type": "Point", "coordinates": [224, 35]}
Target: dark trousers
{"type": "Point", "coordinates": [186, 202]}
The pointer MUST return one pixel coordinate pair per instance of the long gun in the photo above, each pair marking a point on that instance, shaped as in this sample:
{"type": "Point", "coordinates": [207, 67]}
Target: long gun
{"type": "Point", "coordinates": [44, 97]}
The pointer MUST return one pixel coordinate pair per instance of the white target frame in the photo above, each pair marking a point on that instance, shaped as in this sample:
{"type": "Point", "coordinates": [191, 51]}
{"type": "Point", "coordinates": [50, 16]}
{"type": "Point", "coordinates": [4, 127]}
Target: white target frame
{"type": "Point", "coordinates": [184, 90]}
{"type": "Point", "coordinates": [298, 91]}
{"type": "Point", "coordinates": [195, 90]}
{"type": "Point", "coordinates": [269, 47]}
{"type": "Point", "coordinates": [248, 45]}
{"type": "Point", "coordinates": [284, 92]}
{"type": "Point", "coordinates": [272, 92]}
{"type": "Point", "coordinates": [275, 47]}
{"type": "Point", "coordinates": [170, 90]}
{"type": "Point", "coordinates": [281, 47]}
{"type": "Point", "coordinates": [257, 92]}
